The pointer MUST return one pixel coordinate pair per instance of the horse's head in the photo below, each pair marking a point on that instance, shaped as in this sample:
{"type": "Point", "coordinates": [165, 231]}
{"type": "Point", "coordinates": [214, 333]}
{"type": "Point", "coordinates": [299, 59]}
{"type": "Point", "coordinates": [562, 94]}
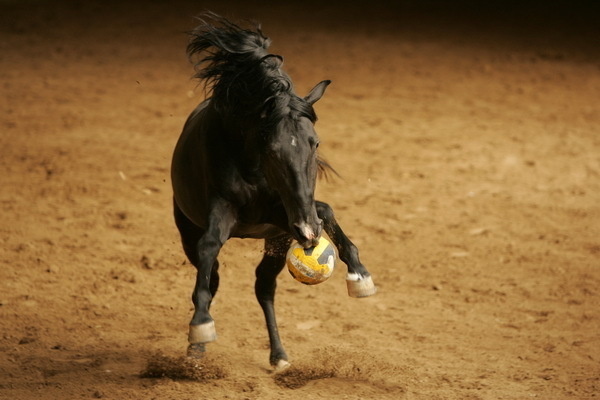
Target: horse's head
{"type": "Point", "coordinates": [290, 166]}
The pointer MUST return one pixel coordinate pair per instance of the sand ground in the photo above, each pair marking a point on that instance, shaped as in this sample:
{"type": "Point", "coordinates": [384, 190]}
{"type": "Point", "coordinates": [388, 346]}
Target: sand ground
{"type": "Point", "coordinates": [469, 147]}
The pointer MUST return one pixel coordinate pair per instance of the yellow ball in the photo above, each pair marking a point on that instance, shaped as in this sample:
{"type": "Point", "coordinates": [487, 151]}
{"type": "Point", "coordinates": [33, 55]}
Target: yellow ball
{"type": "Point", "coordinates": [313, 265]}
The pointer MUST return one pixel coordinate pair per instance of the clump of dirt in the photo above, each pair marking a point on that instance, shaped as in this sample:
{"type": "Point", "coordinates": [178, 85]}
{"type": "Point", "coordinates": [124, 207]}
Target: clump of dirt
{"type": "Point", "coordinates": [298, 376]}
{"type": "Point", "coordinates": [182, 368]}
{"type": "Point", "coordinates": [337, 362]}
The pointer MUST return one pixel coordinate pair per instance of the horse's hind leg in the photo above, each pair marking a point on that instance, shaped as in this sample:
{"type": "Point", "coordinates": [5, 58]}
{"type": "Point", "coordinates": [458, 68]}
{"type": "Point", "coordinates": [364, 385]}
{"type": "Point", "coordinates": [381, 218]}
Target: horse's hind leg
{"type": "Point", "coordinates": [202, 248]}
{"type": "Point", "coordinates": [266, 282]}
{"type": "Point", "coordinates": [358, 280]}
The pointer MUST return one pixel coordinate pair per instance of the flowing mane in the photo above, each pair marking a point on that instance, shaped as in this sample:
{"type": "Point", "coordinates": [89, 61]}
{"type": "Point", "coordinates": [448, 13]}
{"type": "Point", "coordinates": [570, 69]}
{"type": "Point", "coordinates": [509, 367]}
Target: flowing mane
{"type": "Point", "coordinates": [242, 78]}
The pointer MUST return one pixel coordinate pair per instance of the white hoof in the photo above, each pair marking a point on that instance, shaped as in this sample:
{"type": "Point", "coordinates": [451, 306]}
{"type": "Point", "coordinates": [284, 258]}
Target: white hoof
{"type": "Point", "coordinates": [359, 286]}
{"type": "Point", "coordinates": [202, 333]}
{"type": "Point", "coordinates": [282, 365]}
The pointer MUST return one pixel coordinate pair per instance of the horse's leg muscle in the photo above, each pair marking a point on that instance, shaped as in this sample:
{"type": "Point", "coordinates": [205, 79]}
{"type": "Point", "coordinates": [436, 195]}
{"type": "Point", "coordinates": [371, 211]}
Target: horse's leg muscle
{"type": "Point", "coordinates": [266, 273]}
{"type": "Point", "coordinates": [359, 281]}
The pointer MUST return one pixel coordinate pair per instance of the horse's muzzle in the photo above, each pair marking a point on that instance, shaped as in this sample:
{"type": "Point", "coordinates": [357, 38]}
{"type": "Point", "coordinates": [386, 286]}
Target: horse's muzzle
{"type": "Point", "coordinates": [306, 235]}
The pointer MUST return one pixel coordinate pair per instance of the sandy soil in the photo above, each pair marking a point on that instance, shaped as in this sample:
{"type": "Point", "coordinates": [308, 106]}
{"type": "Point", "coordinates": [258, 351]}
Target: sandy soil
{"type": "Point", "coordinates": [469, 145]}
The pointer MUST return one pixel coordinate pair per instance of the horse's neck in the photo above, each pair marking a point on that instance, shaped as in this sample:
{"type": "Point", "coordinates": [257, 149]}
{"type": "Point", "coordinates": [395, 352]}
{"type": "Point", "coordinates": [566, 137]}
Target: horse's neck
{"type": "Point", "coordinates": [241, 149]}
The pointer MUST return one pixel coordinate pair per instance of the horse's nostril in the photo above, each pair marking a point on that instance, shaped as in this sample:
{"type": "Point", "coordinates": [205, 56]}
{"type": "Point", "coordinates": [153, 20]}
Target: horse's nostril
{"type": "Point", "coordinates": [298, 231]}
{"type": "Point", "coordinates": [304, 232]}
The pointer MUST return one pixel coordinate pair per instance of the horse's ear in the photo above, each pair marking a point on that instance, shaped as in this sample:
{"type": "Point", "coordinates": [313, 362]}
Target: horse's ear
{"type": "Point", "coordinates": [317, 92]}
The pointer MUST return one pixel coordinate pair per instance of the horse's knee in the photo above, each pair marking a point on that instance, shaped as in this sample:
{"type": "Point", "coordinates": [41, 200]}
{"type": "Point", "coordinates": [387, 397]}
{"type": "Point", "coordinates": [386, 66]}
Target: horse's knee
{"type": "Point", "coordinates": [207, 248]}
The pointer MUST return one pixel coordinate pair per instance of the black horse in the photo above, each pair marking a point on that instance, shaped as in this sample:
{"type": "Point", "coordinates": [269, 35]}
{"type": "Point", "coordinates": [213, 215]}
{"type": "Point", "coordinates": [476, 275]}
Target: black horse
{"type": "Point", "coordinates": [246, 166]}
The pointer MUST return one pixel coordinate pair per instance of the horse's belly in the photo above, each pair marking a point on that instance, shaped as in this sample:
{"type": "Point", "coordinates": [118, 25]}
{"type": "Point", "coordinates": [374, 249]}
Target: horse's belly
{"type": "Point", "coordinates": [257, 231]}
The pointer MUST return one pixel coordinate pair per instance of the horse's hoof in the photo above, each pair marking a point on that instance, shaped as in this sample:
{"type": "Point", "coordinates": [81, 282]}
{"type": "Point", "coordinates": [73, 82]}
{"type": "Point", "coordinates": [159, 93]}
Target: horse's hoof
{"type": "Point", "coordinates": [196, 350]}
{"type": "Point", "coordinates": [202, 333]}
{"type": "Point", "coordinates": [282, 365]}
{"type": "Point", "coordinates": [359, 286]}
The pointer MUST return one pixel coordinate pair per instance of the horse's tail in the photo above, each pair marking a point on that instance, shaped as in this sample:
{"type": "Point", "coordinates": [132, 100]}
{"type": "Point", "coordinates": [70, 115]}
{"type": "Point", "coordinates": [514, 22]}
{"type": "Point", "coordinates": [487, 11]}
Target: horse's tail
{"type": "Point", "coordinates": [225, 45]}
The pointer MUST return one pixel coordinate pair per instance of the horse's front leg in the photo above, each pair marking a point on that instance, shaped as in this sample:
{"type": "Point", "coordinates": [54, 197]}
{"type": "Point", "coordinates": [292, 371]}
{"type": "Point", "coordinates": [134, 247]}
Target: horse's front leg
{"type": "Point", "coordinates": [202, 326]}
{"type": "Point", "coordinates": [358, 280]}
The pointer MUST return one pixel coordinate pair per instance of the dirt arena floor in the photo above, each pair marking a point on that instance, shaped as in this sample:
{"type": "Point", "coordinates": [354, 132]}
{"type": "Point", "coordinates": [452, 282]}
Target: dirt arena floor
{"type": "Point", "coordinates": [468, 141]}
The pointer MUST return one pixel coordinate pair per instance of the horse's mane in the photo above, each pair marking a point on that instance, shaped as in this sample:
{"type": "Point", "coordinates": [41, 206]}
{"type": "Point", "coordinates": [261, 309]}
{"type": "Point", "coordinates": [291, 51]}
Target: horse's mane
{"type": "Point", "coordinates": [242, 78]}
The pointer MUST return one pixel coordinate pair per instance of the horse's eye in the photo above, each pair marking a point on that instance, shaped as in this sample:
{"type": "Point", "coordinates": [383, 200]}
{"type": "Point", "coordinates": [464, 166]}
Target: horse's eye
{"type": "Point", "coordinates": [314, 143]}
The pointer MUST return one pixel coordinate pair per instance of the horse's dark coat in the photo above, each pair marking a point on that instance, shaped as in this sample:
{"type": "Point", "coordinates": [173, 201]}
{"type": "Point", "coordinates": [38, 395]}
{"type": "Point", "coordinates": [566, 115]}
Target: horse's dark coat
{"type": "Point", "coordinates": [246, 166]}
